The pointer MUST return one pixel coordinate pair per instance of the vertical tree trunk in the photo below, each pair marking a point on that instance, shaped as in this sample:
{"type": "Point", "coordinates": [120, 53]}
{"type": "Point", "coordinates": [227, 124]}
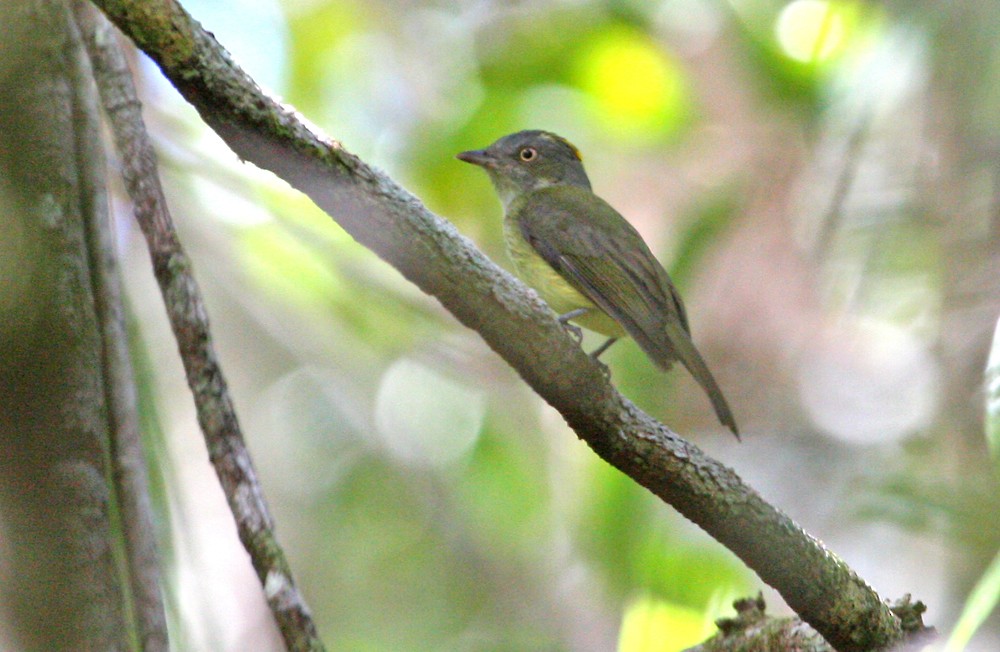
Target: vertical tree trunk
{"type": "Point", "coordinates": [62, 587]}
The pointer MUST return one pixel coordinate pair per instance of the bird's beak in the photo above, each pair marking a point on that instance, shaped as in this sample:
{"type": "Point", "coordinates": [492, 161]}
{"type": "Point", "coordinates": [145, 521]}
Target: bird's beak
{"type": "Point", "coordinates": [478, 157]}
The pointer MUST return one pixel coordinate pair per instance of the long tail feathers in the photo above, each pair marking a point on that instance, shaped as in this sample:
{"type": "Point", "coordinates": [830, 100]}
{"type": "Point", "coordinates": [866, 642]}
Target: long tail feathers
{"type": "Point", "coordinates": [689, 356]}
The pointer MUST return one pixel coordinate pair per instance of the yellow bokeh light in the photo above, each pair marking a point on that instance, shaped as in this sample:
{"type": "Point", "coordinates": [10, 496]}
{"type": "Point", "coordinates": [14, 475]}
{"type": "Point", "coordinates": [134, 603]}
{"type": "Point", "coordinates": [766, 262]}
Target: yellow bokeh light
{"type": "Point", "coordinates": [635, 84]}
{"type": "Point", "coordinates": [813, 31]}
{"type": "Point", "coordinates": [651, 625]}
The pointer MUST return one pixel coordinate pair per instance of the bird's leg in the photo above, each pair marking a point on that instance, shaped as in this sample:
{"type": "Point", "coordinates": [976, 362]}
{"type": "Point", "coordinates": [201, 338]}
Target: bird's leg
{"type": "Point", "coordinates": [572, 328]}
{"type": "Point", "coordinates": [596, 353]}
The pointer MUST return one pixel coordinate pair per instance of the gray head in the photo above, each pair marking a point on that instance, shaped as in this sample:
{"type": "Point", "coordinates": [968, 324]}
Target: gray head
{"type": "Point", "coordinates": [529, 160]}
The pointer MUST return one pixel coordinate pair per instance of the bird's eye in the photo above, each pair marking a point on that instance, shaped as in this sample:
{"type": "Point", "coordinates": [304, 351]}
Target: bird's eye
{"type": "Point", "coordinates": [528, 154]}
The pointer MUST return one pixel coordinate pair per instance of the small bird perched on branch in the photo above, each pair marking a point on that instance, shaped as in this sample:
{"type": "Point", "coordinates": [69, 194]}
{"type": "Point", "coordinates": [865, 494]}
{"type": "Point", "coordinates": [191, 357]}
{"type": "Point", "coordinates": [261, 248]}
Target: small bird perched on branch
{"type": "Point", "coordinates": [588, 263]}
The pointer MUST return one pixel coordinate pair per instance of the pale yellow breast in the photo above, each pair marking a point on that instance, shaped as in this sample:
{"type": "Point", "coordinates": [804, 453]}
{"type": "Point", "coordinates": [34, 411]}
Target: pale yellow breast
{"type": "Point", "coordinates": [552, 287]}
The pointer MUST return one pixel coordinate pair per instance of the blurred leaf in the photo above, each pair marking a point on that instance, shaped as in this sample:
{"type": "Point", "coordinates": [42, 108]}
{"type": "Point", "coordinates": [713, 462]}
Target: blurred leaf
{"type": "Point", "coordinates": [612, 520]}
{"type": "Point", "coordinates": [981, 602]}
{"type": "Point", "coordinates": [712, 216]}
{"type": "Point", "coordinates": [651, 625]}
{"type": "Point", "coordinates": [424, 417]}
{"type": "Point", "coordinates": [795, 47]}
{"type": "Point", "coordinates": [536, 47]}
{"type": "Point", "coordinates": [637, 545]}
{"type": "Point", "coordinates": [993, 398]}
{"type": "Point", "coordinates": [287, 267]}
{"type": "Point", "coordinates": [637, 89]}
{"type": "Point", "coordinates": [922, 504]}
{"type": "Point", "coordinates": [814, 31]}
{"type": "Point", "coordinates": [317, 28]}
{"type": "Point", "coordinates": [504, 493]}
{"type": "Point", "coordinates": [323, 273]}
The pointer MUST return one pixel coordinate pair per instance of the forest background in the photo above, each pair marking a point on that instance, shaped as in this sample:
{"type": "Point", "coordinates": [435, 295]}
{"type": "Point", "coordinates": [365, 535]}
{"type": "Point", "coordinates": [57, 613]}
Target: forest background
{"type": "Point", "coordinates": [822, 180]}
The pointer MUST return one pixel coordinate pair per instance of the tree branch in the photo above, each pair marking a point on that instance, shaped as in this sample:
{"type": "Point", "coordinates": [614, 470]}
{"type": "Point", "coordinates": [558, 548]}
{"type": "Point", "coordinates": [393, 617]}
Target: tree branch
{"type": "Point", "coordinates": [129, 476]}
{"type": "Point", "coordinates": [189, 321]}
{"type": "Point", "coordinates": [61, 583]}
{"type": "Point", "coordinates": [514, 322]}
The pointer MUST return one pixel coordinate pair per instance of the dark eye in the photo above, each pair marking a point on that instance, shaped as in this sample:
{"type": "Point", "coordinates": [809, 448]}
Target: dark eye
{"type": "Point", "coordinates": [528, 154]}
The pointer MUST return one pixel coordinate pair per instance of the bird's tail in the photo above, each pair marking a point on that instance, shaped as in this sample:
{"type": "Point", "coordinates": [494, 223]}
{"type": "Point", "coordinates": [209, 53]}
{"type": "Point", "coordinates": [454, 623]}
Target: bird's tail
{"type": "Point", "coordinates": [687, 353]}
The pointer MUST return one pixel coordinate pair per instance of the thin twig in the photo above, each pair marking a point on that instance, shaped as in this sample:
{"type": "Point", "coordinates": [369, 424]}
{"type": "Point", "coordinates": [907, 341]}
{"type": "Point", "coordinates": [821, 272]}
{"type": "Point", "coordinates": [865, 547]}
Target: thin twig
{"type": "Point", "coordinates": [189, 321]}
{"type": "Point", "coordinates": [129, 476]}
{"type": "Point", "coordinates": [834, 214]}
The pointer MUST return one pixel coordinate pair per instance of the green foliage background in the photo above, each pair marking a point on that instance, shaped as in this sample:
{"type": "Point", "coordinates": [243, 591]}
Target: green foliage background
{"type": "Point", "coordinates": [819, 177]}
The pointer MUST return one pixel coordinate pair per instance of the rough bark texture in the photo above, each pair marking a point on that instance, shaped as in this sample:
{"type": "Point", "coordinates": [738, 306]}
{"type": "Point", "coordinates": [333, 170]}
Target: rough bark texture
{"type": "Point", "coordinates": [189, 321]}
{"type": "Point", "coordinates": [61, 586]}
{"type": "Point", "coordinates": [128, 463]}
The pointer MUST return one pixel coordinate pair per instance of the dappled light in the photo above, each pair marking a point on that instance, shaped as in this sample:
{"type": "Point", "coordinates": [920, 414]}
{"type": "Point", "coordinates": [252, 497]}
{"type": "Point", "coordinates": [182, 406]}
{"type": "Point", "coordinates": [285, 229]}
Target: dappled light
{"type": "Point", "coordinates": [784, 160]}
{"type": "Point", "coordinates": [819, 178]}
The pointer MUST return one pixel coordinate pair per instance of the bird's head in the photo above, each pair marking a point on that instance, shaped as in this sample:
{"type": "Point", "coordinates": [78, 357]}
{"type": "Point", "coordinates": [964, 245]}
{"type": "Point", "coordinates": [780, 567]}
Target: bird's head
{"type": "Point", "coordinates": [529, 160]}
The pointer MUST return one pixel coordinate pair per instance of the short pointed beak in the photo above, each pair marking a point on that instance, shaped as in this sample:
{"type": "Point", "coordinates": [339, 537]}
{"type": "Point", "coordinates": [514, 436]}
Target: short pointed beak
{"type": "Point", "coordinates": [476, 156]}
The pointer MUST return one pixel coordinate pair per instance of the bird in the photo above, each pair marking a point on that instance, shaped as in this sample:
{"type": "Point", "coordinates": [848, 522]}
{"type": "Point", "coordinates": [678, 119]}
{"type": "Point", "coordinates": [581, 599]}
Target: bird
{"type": "Point", "coordinates": [584, 259]}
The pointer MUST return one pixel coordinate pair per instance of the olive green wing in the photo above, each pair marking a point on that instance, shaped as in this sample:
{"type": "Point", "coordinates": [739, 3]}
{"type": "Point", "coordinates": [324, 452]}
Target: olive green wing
{"type": "Point", "coordinates": [600, 254]}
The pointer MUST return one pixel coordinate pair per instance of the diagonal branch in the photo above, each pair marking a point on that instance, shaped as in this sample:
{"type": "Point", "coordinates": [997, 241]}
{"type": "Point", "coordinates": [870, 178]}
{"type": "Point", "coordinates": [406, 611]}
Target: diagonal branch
{"type": "Point", "coordinates": [189, 321]}
{"type": "Point", "coordinates": [430, 253]}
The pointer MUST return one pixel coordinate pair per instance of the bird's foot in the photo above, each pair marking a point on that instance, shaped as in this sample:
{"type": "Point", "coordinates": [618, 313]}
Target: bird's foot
{"type": "Point", "coordinates": [574, 330]}
{"type": "Point", "coordinates": [596, 353]}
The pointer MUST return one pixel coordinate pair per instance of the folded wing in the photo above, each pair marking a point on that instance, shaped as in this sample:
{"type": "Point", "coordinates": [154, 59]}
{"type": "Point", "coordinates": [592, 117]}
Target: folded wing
{"type": "Point", "coordinates": [598, 252]}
